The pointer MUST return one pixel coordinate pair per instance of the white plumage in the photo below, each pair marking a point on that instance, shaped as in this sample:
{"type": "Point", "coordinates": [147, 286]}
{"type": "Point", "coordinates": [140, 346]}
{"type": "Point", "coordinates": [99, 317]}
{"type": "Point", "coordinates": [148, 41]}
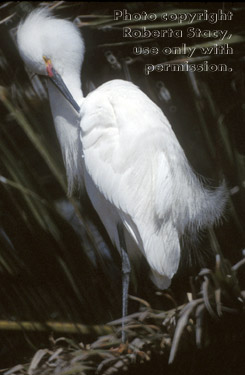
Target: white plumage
{"type": "Point", "coordinates": [123, 150]}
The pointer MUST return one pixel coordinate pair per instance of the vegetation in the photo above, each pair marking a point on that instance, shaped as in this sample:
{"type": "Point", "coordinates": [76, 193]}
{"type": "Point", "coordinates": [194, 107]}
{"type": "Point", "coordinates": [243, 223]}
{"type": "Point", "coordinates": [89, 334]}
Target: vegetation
{"type": "Point", "coordinates": [57, 266]}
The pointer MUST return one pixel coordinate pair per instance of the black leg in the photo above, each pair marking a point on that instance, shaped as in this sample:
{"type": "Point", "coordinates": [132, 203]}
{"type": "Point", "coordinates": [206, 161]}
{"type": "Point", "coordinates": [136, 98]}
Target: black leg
{"type": "Point", "coordinates": [125, 277]}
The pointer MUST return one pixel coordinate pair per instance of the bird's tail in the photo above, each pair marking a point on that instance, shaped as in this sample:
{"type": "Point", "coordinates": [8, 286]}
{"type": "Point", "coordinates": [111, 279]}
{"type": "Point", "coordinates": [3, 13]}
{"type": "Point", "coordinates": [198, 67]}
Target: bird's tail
{"type": "Point", "coordinates": [208, 206]}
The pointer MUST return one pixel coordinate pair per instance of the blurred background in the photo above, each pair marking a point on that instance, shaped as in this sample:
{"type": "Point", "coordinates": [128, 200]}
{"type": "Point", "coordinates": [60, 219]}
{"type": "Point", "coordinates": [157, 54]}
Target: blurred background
{"type": "Point", "coordinates": [56, 261]}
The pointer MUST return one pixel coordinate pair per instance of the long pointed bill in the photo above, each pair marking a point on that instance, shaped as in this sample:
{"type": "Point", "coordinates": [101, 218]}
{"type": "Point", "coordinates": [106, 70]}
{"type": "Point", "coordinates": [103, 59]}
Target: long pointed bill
{"type": "Point", "coordinates": [60, 84]}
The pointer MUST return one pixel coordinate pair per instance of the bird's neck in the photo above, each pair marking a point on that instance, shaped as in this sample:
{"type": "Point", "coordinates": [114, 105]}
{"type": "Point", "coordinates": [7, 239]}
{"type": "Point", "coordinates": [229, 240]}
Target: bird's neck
{"type": "Point", "coordinates": [73, 83]}
{"type": "Point", "coordinates": [67, 122]}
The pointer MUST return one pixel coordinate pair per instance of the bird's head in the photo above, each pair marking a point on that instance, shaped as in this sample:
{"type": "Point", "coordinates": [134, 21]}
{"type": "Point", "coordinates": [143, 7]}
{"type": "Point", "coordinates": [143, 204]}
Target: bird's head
{"type": "Point", "coordinates": [51, 47]}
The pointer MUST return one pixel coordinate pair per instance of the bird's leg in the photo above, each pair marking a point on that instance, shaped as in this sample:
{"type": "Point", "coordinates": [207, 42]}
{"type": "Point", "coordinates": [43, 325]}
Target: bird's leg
{"type": "Point", "coordinates": [126, 268]}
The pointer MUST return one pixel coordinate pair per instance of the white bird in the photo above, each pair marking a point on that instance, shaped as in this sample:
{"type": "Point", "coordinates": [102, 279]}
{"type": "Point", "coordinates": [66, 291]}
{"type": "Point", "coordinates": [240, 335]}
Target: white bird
{"type": "Point", "coordinates": [122, 148]}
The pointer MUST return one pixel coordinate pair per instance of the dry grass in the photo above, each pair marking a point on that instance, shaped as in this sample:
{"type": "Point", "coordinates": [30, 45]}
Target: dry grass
{"type": "Point", "coordinates": [214, 317]}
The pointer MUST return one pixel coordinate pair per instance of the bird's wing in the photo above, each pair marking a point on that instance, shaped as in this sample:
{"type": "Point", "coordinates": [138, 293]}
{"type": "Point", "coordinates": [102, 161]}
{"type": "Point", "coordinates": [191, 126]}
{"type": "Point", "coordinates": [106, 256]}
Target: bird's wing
{"type": "Point", "coordinates": [126, 143]}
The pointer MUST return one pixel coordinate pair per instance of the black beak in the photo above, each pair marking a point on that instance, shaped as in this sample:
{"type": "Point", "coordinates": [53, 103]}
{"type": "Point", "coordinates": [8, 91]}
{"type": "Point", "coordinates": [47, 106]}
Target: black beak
{"type": "Point", "coordinates": [60, 84]}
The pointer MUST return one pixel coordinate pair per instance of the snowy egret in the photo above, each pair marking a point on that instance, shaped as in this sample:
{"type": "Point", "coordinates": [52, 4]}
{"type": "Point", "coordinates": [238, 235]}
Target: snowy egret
{"type": "Point", "coordinates": [120, 146]}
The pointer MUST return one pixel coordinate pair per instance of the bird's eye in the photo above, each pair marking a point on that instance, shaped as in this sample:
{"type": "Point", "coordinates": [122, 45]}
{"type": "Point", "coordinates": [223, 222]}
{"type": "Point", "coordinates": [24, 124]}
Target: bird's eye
{"type": "Point", "coordinates": [49, 66]}
{"type": "Point", "coordinates": [46, 60]}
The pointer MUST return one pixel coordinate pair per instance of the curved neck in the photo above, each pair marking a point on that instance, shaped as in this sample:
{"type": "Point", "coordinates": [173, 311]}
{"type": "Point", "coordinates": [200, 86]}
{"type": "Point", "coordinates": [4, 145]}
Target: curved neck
{"type": "Point", "coordinates": [73, 83]}
{"type": "Point", "coordinates": [67, 126]}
